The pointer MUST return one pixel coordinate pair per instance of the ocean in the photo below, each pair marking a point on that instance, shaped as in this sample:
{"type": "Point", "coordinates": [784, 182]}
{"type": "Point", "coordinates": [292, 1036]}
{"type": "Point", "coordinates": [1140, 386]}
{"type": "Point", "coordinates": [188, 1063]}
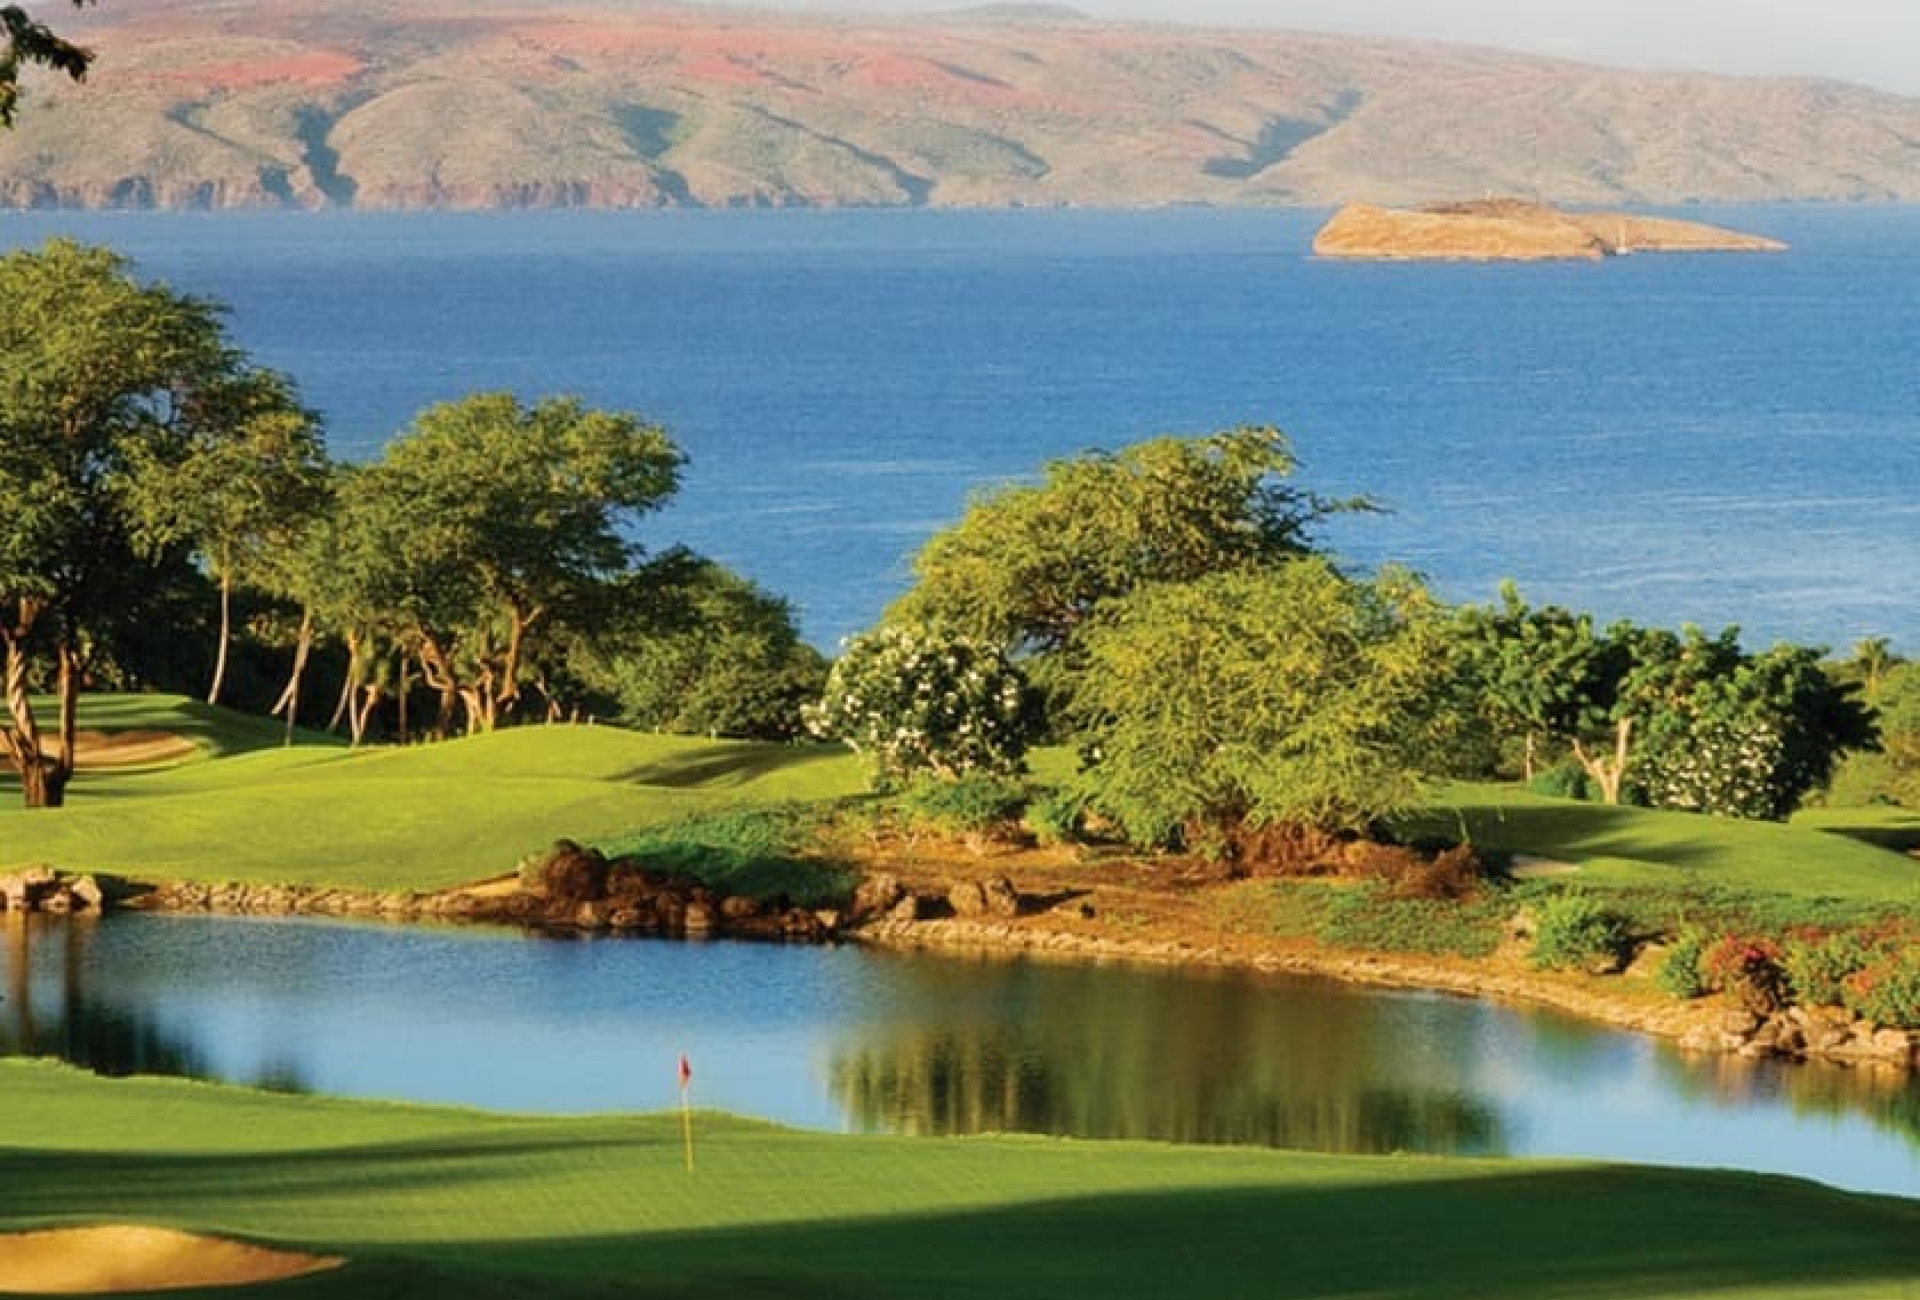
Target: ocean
{"type": "Point", "coordinates": [1707, 439]}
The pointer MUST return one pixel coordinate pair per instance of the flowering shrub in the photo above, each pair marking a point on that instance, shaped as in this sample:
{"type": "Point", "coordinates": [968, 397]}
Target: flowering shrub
{"type": "Point", "coordinates": [916, 702]}
{"type": "Point", "coordinates": [1747, 970]}
{"type": "Point", "coordinates": [1722, 767]}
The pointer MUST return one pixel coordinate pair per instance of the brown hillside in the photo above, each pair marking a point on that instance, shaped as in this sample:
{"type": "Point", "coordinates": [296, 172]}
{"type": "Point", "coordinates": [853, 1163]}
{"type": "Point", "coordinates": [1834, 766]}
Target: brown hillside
{"type": "Point", "coordinates": [493, 103]}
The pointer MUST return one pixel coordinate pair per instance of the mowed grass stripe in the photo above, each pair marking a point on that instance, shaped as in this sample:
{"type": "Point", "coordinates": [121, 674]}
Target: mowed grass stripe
{"type": "Point", "coordinates": [447, 1203]}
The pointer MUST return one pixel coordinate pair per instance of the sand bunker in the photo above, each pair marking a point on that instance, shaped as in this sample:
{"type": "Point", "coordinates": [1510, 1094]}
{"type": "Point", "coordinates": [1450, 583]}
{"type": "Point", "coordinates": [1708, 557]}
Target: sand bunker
{"type": "Point", "coordinates": [98, 1261]}
{"type": "Point", "coordinates": [97, 749]}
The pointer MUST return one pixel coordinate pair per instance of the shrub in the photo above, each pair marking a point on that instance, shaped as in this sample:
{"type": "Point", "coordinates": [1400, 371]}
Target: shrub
{"type": "Point", "coordinates": [1575, 932]}
{"type": "Point", "coordinates": [974, 804]}
{"type": "Point", "coordinates": [918, 702]}
{"type": "Point", "coordinates": [763, 853]}
{"type": "Point", "coordinates": [1562, 781]}
{"type": "Point", "coordinates": [1887, 992]}
{"type": "Point", "coordinates": [1818, 965]}
{"type": "Point", "coordinates": [1748, 970]}
{"type": "Point", "coordinates": [1058, 817]}
{"type": "Point", "coordinates": [1679, 975]}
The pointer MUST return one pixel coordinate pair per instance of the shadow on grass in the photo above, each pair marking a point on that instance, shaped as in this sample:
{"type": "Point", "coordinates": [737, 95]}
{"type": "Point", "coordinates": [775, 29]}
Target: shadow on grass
{"type": "Point", "coordinates": [733, 766]}
{"type": "Point", "coordinates": [1533, 1234]}
{"type": "Point", "coordinates": [1628, 1235]}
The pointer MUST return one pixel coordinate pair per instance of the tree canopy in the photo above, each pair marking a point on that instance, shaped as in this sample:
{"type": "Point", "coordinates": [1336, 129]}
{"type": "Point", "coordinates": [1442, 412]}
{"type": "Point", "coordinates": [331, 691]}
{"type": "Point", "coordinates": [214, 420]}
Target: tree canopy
{"type": "Point", "coordinates": [1281, 700]}
{"type": "Point", "coordinates": [103, 382]}
{"type": "Point", "coordinates": [1028, 564]}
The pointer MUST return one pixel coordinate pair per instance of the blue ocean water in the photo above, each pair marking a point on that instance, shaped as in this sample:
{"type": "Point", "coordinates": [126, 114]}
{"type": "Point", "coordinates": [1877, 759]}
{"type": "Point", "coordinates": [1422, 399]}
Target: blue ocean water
{"type": "Point", "coordinates": [1706, 439]}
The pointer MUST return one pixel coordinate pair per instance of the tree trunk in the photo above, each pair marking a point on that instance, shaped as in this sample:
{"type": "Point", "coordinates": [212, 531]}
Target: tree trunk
{"type": "Point", "coordinates": [25, 747]}
{"type": "Point", "coordinates": [1526, 758]}
{"type": "Point", "coordinates": [1609, 772]}
{"type": "Point", "coordinates": [289, 700]}
{"type": "Point", "coordinates": [226, 634]}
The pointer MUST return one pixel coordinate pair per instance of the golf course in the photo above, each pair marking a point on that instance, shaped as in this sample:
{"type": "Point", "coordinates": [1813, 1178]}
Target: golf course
{"type": "Point", "coordinates": [386, 1199]}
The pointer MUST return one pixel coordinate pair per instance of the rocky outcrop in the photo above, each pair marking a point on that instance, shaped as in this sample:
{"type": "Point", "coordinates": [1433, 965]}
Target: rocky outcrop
{"type": "Point", "coordinates": [1806, 1033]}
{"type": "Point", "coordinates": [1511, 230]}
{"type": "Point", "coordinates": [42, 889]}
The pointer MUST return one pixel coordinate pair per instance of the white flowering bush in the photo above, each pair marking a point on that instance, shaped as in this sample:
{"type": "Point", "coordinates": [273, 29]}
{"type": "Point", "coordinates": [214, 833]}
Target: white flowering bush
{"type": "Point", "coordinates": [917, 702]}
{"type": "Point", "coordinates": [1721, 766]}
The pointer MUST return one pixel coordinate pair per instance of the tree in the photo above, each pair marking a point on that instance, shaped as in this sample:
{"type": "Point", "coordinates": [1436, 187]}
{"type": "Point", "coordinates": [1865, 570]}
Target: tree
{"type": "Point", "coordinates": [252, 473]}
{"type": "Point", "coordinates": [1028, 565]}
{"type": "Point", "coordinates": [28, 42]}
{"type": "Point", "coordinates": [919, 702]}
{"type": "Point", "coordinates": [697, 649]}
{"type": "Point", "coordinates": [1540, 673]}
{"type": "Point", "coordinates": [1686, 720]}
{"type": "Point", "coordinates": [1256, 706]}
{"type": "Point", "coordinates": [98, 378]}
{"type": "Point", "coordinates": [486, 524]}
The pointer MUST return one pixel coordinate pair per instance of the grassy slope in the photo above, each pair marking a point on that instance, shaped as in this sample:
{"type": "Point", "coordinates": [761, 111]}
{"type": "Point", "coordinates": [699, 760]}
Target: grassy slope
{"type": "Point", "coordinates": [435, 1202]}
{"type": "Point", "coordinates": [415, 818]}
{"type": "Point", "coordinates": [1639, 846]}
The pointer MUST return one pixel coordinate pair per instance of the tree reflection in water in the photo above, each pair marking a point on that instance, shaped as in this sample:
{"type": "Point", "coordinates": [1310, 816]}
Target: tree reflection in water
{"type": "Point", "coordinates": [48, 1011]}
{"type": "Point", "coordinates": [1131, 1054]}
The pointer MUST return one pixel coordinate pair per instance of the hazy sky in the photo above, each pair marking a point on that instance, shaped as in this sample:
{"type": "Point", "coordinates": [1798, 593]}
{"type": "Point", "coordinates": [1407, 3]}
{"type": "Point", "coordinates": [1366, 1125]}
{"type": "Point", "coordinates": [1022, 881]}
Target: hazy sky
{"type": "Point", "coordinates": [1871, 41]}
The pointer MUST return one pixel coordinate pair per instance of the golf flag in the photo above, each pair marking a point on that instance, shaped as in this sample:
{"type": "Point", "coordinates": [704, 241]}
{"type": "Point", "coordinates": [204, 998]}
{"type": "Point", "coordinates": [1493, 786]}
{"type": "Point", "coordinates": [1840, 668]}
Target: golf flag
{"type": "Point", "coordinates": [686, 1111]}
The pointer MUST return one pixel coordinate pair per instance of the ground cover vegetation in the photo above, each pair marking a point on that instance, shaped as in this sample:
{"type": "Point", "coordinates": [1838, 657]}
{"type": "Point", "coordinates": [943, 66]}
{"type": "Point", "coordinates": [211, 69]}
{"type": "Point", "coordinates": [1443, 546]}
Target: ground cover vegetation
{"type": "Point", "coordinates": [432, 1202]}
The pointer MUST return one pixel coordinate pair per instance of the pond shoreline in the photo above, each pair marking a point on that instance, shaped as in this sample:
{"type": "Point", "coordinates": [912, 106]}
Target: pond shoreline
{"type": "Point", "coordinates": [1164, 927]}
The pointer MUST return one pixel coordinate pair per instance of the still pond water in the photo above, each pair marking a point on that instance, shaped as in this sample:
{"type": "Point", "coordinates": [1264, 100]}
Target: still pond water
{"type": "Point", "coordinates": [848, 1039]}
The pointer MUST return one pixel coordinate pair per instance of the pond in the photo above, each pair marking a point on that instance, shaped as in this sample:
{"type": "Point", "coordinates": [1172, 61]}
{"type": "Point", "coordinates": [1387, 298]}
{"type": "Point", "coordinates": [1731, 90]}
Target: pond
{"type": "Point", "coordinates": [845, 1038]}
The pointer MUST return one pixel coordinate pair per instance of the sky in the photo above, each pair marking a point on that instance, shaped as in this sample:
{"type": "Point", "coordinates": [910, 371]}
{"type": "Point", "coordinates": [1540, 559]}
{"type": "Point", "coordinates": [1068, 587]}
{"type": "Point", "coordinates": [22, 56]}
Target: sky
{"type": "Point", "coordinates": [1875, 42]}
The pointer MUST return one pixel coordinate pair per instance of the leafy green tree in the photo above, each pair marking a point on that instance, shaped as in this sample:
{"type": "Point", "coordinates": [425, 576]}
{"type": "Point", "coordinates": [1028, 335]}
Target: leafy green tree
{"type": "Point", "coordinates": [28, 42]}
{"type": "Point", "coordinates": [1255, 707]}
{"type": "Point", "coordinates": [918, 702]}
{"type": "Point", "coordinates": [1539, 673]}
{"type": "Point", "coordinates": [99, 377]}
{"type": "Point", "coordinates": [485, 525]}
{"type": "Point", "coordinates": [251, 476]}
{"type": "Point", "coordinates": [1027, 565]}
{"type": "Point", "coordinates": [699, 650]}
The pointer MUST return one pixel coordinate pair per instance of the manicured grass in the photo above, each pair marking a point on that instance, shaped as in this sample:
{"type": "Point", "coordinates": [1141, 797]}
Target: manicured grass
{"type": "Point", "coordinates": [1639, 846]}
{"type": "Point", "coordinates": [429, 1203]}
{"type": "Point", "coordinates": [421, 817]}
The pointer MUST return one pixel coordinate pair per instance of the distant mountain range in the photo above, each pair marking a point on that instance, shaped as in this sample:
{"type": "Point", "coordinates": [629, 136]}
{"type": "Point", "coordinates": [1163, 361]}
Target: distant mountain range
{"type": "Point", "coordinates": [601, 103]}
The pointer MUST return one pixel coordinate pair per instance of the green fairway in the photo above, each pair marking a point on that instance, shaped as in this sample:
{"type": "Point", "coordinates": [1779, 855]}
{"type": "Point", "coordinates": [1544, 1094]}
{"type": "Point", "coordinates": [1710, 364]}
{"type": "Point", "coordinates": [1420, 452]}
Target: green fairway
{"type": "Point", "coordinates": [1641, 846]}
{"type": "Point", "coordinates": [449, 1203]}
{"type": "Point", "coordinates": [420, 817]}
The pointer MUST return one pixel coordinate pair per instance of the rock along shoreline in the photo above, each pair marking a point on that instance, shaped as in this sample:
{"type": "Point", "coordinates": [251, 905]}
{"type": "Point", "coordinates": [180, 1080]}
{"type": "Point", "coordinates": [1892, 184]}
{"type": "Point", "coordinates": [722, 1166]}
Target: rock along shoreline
{"type": "Point", "coordinates": [574, 890]}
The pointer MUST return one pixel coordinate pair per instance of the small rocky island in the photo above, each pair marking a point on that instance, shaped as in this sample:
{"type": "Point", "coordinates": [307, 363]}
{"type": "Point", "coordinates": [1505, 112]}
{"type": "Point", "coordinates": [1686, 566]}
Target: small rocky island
{"type": "Point", "coordinates": [1514, 230]}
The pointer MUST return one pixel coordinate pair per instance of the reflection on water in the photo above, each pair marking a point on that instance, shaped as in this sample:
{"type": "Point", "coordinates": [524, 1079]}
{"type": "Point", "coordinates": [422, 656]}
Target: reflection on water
{"type": "Point", "coordinates": [849, 1039]}
{"type": "Point", "coordinates": [1121, 1053]}
{"type": "Point", "coordinates": [52, 1015]}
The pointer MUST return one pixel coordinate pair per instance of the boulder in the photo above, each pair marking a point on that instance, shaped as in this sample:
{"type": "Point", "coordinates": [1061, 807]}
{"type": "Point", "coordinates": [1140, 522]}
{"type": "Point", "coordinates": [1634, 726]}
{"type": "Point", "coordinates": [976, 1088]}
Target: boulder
{"type": "Point", "coordinates": [1000, 897]}
{"type": "Point", "coordinates": [573, 875]}
{"type": "Point", "coordinates": [738, 907]}
{"type": "Point", "coordinates": [877, 895]}
{"type": "Point", "coordinates": [905, 909]}
{"type": "Point", "coordinates": [967, 899]}
{"type": "Point", "coordinates": [701, 918]}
